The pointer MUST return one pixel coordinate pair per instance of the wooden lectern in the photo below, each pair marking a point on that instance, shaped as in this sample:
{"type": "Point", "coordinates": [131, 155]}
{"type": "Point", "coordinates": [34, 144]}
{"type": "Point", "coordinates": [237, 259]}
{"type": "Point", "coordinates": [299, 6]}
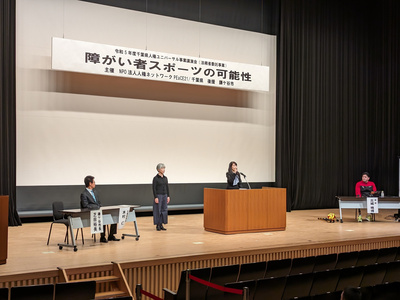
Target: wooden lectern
{"type": "Point", "coordinates": [3, 229]}
{"type": "Point", "coordinates": [243, 211]}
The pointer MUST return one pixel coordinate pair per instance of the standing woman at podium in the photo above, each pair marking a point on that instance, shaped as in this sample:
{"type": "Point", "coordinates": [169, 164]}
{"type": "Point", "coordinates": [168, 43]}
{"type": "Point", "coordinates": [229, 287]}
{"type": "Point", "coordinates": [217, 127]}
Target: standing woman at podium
{"type": "Point", "coordinates": [233, 176]}
{"type": "Point", "coordinates": [161, 198]}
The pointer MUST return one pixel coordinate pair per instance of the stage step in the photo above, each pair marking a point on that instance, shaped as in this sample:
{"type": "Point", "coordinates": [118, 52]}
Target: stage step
{"type": "Point", "coordinates": [110, 279]}
{"type": "Point", "coordinates": [111, 294]}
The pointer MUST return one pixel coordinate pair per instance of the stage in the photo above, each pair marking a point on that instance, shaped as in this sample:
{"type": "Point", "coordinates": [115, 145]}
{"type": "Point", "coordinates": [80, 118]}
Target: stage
{"type": "Point", "coordinates": [157, 259]}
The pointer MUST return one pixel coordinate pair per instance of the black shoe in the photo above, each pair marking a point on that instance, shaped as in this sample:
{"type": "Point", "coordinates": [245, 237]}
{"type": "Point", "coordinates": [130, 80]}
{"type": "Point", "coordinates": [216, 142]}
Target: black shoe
{"type": "Point", "coordinates": [113, 238]}
{"type": "Point", "coordinates": [103, 240]}
{"type": "Point", "coordinates": [158, 227]}
{"type": "Point", "coordinates": [162, 227]}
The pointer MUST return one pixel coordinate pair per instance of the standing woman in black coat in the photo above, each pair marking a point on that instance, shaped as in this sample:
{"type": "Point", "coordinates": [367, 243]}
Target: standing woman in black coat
{"type": "Point", "coordinates": [233, 176]}
{"type": "Point", "coordinates": [161, 198]}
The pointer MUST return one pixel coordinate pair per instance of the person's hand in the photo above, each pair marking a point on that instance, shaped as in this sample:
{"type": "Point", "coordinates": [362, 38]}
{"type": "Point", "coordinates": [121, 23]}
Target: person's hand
{"type": "Point", "coordinates": [168, 200]}
{"type": "Point", "coordinates": [156, 200]}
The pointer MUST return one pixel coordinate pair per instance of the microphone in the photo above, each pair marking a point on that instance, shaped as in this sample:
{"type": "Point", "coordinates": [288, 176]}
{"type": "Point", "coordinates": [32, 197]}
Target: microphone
{"type": "Point", "coordinates": [242, 174]}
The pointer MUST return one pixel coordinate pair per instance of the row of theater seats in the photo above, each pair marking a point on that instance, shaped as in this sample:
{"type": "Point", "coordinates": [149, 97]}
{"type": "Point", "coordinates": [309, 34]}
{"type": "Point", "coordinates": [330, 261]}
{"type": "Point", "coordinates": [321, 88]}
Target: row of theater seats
{"type": "Point", "coordinates": [280, 268]}
{"type": "Point", "coordinates": [85, 290]}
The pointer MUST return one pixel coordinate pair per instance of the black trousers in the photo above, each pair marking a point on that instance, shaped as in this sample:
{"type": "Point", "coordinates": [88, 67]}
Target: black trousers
{"type": "Point", "coordinates": [113, 230]}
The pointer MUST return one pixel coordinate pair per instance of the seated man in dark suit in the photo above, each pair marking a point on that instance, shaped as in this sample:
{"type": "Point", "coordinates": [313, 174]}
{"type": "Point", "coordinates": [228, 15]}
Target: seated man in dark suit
{"type": "Point", "coordinates": [90, 199]}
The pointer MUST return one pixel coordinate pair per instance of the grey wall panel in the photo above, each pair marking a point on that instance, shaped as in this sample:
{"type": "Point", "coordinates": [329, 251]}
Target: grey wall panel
{"type": "Point", "coordinates": [34, 199]}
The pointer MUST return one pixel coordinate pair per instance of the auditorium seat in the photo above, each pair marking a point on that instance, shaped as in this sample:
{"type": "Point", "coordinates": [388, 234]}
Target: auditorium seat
{"type": "Point", "coordinates": [197, 290]}
{"type": "Point", "coordinates": [373, 274]}
{"type": "Point", "coordinates": [278, 268]}
{"type": "Point", "coordinates": [298, 285]}
{"type": "Point", "coordinates": [251, 271]}
{"type": "Point", "coordinates": [328, 296]}
{"type": "Point", "coordinates": [389, 291]}
{"type": "Point", "coordinates": [270, 288]}
{"type": "Point", "coordinates": [325, 262]}
{"type": "Point", "coordinates": [302, 265]}
{"type": "Point", "coordinates": [387, 255]}
{"type": "Point", "coordinates": [392, 272]}
{"type": "Point", "coordinates": [83, 290]}
{"type": "Point", "coordinates": [251, 284]}
{"type": "Point", "coordinates": [350, 277]}
{"type": "Point", "coordinates": [324, 282]}
{"type": "Point", "coordinates": [32, 292]}
{"type": "Point", "coordinates": [346, 260]}
{"type": "Point", "coordinates": [3, 293]}
{"type": "Point", "coordinates": [367, 257]}
{"type": "Point", "coordinates": [221, 275]}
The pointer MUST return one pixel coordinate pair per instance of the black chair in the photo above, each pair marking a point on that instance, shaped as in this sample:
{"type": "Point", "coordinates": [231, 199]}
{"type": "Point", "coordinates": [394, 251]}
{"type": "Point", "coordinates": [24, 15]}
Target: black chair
{"type": "Point", "coordinates": [32, 292]}
{"type": "Point", "coordinates": [302, 265]}
{"type": "Point", "coordinates": [3, 293]}
{"type": "Point", "coordinates": [328, 296]}
{"type": "Point", "coordinates": [392, 272]}
{"type": "Point", "coordinates": [83, 290]}
{"type": "Point", "coordinates": [346, 260]}
{"type": "Point", "coordinates": [298, 285]}
{"type": "Point", "coordinates": [270, 288]}
{"type": "Point", "coordinates": [252, 271]}
{"type": "Point", "coordinates": [387, 255]}
{"type": "Point", "coordinates": [373, 275]}
{"type": "Point", "coordinates": [251, 284]}
{"type": "Point", "coordinates": [367, 257]}
{"type": "Point", "coordinates": [324, 282]}
{"type": "Point", "coordinates": [58, 218]}
{"type": "Point", "coordinates": [221, 275]}
{"type": "Point", "coordinates": [278, 268]}
{"type": "Point", "coordinates": [325, 262]}
{"type": "Point", "coordinates": [350, 277]}
{"type": "Point", "coordinates": [197, 290]}
{"type": "Point", "coordinates": [389, 291]}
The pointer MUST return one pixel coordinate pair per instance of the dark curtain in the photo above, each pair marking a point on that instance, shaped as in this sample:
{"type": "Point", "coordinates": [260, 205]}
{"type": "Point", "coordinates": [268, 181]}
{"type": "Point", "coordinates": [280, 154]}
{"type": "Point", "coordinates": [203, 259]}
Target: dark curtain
{"type": "Point", "coordinates": [338, 98]}
{"type": "Point", "coordinates": [7, 108]}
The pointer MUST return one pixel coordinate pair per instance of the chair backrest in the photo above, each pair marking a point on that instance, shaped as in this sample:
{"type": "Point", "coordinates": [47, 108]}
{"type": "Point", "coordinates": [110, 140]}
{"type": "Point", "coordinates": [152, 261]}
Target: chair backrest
{"type": "Point", "coordinates": [346, 260]}
{"type": "Point", "coordinates": [298, 286]}
{"type": "Point", "coordinates": [350, 277]}
{"type": "Point", "coordinates": [387, 255]}
{"type": "Point", "coordinates": [252, 271]}
{"type": "Point", "coordinates": [83, 290]}
{"type": "Point", "coordinates": [278, 268]}
{"type": "Point", "coordinates": [392, 272]}
{"type": "Point", "coordinates": [325, 262]}
{"type": "Point", "coordinates": [251, 284]}
{"type": "Point", "coordinates": [328, 296]}
{"type": "Point", "coordinates": [57, 206]}
{"type": "Point", "coordinates": [270, 288]}
{"type": "Point", "coordinates": [324, 282]}
{"type": "Point", "coordinates": [32, 292]}
{"type": "Point", "coordinates": [367, 257]}
{"type": "Point", "coordinates": [374, 274]}
{"type": "Point", "coordinates": [389, 291]}
{"type": "Point", "coordinates": [221, 275]}
{"type": "Point", "coordinates": [197, 290]}
{"type": "Point", "coordinates": [3, 293]}
{"type": "Point", "coordinates": [302, 265]}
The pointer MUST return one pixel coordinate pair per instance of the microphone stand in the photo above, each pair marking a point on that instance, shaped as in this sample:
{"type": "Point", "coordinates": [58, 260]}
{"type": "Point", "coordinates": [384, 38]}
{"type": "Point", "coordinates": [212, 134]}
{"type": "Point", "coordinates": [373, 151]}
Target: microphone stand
{"type": "Point", "coordinates": [246, 181]}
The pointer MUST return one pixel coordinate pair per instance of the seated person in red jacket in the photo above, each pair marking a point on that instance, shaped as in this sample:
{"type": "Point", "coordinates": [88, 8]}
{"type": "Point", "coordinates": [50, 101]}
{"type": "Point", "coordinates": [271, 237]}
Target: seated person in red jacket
{"type": "Point", "coordinates": [365, 188]}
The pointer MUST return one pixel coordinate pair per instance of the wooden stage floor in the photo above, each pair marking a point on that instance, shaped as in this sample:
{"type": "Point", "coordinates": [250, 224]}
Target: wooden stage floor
{"type": "Point", "coordinates": [184, 238]}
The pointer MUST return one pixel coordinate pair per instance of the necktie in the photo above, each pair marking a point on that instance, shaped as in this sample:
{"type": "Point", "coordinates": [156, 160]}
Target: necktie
{"type": "Point", "coordinates": [93, 196]}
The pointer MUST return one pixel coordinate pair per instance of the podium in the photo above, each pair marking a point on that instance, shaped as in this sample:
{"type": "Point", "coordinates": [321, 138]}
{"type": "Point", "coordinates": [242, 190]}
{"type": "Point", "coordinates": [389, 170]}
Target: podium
{"type": "Point", "coordinates": [244, 211]}
{"type": "Point", "coordinates": [3, 229]}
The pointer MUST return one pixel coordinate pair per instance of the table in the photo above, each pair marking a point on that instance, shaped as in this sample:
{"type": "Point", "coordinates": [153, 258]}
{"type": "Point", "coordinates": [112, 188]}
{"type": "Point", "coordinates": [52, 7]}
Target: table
{"type": "Point", "coordinates": [359, 203]}
{"type": "Point", "coordinates": [244, 211]}
{"type": "Point", "coordinates": [80, 218]}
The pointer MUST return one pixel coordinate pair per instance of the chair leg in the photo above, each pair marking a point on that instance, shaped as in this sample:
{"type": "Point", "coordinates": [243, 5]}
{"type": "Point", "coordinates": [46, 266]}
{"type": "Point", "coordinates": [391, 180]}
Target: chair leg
{"type": "Point", "coordinates": [77, 233]}
{"type": "Point", "coordinates": [66, 236]}
{"type": "Point", "coordinates": [51, 227]}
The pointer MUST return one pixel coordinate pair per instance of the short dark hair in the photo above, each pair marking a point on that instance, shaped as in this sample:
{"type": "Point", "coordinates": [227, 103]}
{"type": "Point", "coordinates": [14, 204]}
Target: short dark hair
{"type": "Point", "coordinates": [366, 173]}
{"type": "Point", "coordinates": [88, 180]}
{"type": "Point", "coordinates": [351, 293]}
